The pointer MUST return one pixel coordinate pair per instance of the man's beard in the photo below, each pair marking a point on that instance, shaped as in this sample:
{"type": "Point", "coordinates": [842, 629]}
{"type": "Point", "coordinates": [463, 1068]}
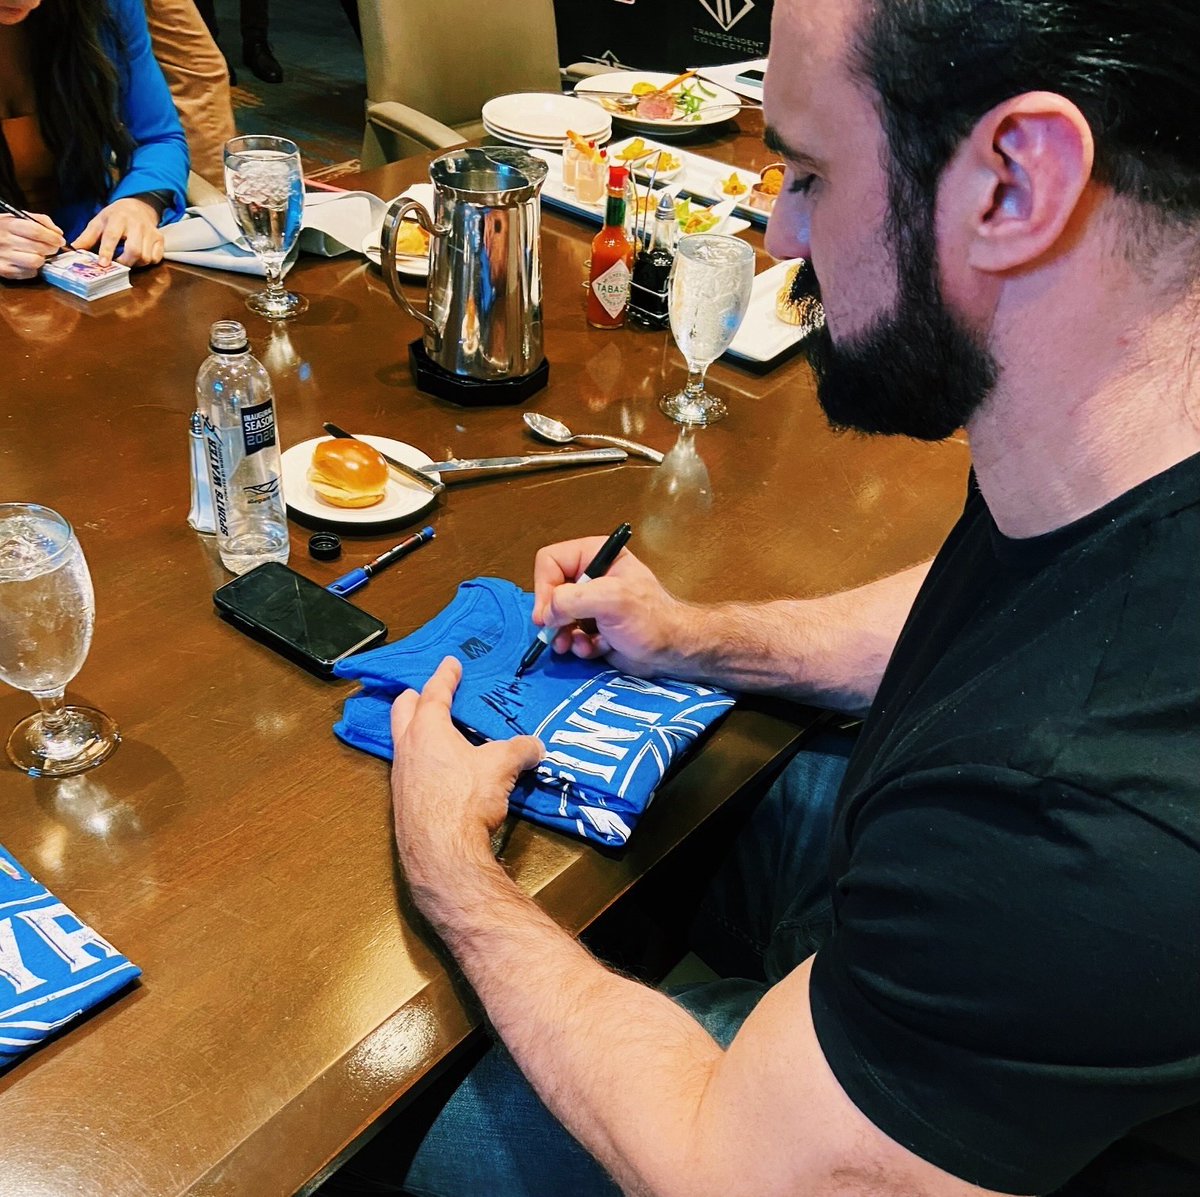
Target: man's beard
{"type": "Point", "coordinates": [916, 371]}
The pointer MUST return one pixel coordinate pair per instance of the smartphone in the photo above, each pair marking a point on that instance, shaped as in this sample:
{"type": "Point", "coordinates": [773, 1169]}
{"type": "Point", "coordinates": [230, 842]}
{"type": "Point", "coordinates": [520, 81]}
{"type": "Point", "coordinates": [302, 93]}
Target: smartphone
{"type": "Point", "coordinates": [297, 618]}
{"type": "Point", "coordinates": [751, 78]}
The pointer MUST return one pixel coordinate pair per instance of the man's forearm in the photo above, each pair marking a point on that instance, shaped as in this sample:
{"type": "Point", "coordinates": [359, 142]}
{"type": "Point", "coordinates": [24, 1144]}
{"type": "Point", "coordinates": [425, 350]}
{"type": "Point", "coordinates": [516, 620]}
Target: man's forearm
{"type": "Point", "coordinates": [619, 1064]}
{"type": "Point", "coordinates": [829, 651]}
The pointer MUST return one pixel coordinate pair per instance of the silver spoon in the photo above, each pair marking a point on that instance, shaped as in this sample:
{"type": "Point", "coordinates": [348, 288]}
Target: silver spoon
{"type": "Point", "coordinates": [558, 433]}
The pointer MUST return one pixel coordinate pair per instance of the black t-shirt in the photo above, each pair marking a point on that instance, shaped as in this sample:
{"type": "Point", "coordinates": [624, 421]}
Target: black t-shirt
{"type": "Point", "coordinates": [1012, 985]}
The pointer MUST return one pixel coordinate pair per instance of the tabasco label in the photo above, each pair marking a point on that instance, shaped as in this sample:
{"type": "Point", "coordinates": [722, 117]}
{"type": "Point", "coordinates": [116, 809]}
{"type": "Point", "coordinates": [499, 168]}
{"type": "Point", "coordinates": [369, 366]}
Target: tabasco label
{"type": "Point", "coordinates": [611, 288]}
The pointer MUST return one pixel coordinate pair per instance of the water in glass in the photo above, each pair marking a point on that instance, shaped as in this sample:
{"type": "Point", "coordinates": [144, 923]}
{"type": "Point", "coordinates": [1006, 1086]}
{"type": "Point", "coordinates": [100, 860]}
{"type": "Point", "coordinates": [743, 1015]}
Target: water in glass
{"type": "Point", "coordinates": [264, 182]}
{"type": "Point", "coordinates": [711, 282]}
{"type": "Point", "coordinates": [47, 612]}
{"type": "Point", "coordinates": [47, 607]}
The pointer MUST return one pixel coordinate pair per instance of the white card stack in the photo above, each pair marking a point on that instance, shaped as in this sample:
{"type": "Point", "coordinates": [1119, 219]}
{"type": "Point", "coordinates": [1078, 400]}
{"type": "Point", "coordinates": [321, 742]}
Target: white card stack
{"type": "Point", "coordinates": [80, 273]}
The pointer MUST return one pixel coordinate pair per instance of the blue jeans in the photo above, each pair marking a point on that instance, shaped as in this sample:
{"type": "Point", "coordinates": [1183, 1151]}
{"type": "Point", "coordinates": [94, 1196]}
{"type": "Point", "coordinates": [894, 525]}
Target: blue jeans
{"type": "Point", "coordinates": [766, 912]}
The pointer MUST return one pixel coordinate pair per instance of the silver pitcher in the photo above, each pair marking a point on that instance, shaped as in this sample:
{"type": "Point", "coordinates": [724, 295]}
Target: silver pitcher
{"type": "Point", "coordinates": [484, 317]}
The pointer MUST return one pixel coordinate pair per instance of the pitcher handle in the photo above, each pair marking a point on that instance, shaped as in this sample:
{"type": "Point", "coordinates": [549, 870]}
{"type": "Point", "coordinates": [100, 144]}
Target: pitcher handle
{"type": "Point", "coordinates": [399, 209]}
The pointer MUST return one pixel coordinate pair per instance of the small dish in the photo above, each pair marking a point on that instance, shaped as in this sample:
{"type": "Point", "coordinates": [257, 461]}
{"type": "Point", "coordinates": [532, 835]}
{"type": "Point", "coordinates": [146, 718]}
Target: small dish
{"type": "Point", "coordinates": [403, 502]}
{"type": "Point", "coordinates": [702, 218]}
{"type": "Point", "coordinates": [765, 192]}
{"type": "Point", "coordinates": [642, 165]}
{"type": "Point", "coordinates": [744, 179]}
{"type": "Point", "coordinates": [410, 265]}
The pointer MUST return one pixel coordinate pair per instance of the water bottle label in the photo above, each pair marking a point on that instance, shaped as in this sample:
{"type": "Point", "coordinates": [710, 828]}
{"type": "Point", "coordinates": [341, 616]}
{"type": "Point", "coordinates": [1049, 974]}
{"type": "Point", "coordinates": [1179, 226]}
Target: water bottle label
{"type": "Point", "coordinates": [219, 468]}
{"type": "Point", "coordinates": [258, 427]}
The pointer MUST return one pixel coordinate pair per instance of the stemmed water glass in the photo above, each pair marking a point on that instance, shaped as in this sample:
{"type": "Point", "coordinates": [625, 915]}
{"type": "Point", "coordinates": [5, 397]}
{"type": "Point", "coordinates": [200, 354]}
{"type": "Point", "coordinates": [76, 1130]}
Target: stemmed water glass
{"type": "Point", "coordinates": [710, 288]}
{"type": "Point", "coordinates": [47, 609]}
{"type": "Point", "coordinates": [265, 186]}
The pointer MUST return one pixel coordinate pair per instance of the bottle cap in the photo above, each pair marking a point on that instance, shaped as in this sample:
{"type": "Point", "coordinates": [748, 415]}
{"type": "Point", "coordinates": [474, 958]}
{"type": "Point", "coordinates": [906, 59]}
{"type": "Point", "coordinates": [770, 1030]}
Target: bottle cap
{"type": "Point", "coordinates": [324, 546]}
{"type": "Point", "coordinates": [666, 207]}
{"type": "Point", "coordinates": [617, 176]}
{"type": "Point", "coordinates": [227, 336]}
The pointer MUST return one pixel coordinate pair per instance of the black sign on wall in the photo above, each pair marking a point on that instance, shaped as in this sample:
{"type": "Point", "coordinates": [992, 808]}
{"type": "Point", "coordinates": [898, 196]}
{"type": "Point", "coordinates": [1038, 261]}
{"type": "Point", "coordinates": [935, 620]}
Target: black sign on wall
{"type": "Point", "coordinates": [663, 35]}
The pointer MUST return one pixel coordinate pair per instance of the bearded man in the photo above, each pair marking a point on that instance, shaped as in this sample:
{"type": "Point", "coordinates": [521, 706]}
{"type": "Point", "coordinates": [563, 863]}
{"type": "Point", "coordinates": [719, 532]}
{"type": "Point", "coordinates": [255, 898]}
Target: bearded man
{"type": "Point", "coordinates": [968, 955]}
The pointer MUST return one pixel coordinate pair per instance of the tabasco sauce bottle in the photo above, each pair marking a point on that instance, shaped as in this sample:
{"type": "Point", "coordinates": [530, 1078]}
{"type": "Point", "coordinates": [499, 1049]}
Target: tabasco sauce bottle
{"type": "Point", "coordinates": [612, 259]}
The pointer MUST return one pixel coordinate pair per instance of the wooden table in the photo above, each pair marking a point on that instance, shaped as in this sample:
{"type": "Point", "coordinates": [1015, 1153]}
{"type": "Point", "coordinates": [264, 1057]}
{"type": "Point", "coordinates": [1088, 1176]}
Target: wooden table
{"type": "Point", "coordinates": [232, 847]}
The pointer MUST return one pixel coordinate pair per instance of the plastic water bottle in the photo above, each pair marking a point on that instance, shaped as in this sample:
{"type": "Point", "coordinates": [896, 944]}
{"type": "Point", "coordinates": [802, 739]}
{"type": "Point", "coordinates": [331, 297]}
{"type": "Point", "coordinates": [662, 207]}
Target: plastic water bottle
{"type": "Point", "coordinates": [237, 407]}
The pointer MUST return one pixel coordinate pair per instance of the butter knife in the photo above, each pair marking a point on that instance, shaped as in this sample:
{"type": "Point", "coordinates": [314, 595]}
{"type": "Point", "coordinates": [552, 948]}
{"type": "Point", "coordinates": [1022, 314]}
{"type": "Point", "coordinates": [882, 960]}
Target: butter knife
{"type": "Point", "coordinates": [413, 475]}
{"type": "Point", "coordinates": [526, 461]}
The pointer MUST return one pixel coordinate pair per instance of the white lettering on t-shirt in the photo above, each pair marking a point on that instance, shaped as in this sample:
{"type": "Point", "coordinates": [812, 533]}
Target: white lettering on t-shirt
{"type": "Point", "coordinates": [70, 945]}
{"type": "Point", "coordinates": [639, 685]}
{"type": "Point", "coordinates": [603, 702]}
{"type": "Point", "coordinates": [590, 767]}
{"type": "Point", "coordinates": [12, 968]}
{"type": "Point", "coordinates": [601, 738]}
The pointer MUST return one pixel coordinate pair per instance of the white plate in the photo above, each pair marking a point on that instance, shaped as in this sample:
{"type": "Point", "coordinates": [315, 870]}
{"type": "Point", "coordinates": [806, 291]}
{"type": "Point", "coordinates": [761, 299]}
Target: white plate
{"type": "Point", "coordinates": [410, 265]}
{"type": "Point", "coordinates": [549, 143]}
{"type": "Point", "coordinates": [543, 115]}
{"type": "Point", "coordinates": [596, 130]}
{"type": "Point", "coordinates": [643, 168]}
{"type": "Point", "coordinates": [763, 335]}
{"type": "Point", "coordinates": [721, 106]}
{"type": "Point", "coordinates": [402, 502]}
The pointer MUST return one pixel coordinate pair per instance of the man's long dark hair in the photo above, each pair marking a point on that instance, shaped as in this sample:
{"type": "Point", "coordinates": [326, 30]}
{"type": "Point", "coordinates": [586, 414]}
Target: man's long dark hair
{"type": "Point", "coordinates": [1128, 65]}
{"type": "Point", "coordinates": [77, 88]}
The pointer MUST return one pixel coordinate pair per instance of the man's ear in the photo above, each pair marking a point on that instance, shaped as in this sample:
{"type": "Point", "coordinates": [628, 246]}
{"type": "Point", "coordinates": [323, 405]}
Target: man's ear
{"type": "Point", "coordinates": [1027, 164]}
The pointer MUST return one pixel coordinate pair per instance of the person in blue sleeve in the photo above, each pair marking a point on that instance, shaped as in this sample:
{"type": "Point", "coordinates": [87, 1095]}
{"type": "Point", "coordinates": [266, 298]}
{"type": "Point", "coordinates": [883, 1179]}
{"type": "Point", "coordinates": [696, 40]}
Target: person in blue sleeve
{"type": "Point", "coordinates": [90, 142]}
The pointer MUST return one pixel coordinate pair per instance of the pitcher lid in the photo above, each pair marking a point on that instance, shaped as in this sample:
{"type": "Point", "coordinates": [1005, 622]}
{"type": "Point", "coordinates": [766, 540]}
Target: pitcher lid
{"type": "Point", "coordinates": [492, 175]}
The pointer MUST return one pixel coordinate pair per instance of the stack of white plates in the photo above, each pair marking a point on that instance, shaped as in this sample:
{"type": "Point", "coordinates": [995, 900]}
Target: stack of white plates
{"type": "Point", "coordinates": [540, 120]}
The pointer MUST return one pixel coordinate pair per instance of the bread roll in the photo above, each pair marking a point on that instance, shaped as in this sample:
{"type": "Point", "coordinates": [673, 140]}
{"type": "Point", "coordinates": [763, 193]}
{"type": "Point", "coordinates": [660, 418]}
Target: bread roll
{"type": "Point", "coordinates": [348, 473]}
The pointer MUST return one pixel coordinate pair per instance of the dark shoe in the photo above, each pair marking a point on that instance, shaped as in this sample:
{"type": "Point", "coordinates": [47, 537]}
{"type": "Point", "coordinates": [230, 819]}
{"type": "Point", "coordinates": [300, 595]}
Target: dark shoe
{"type": "Point", "coordinates": [258, 57]}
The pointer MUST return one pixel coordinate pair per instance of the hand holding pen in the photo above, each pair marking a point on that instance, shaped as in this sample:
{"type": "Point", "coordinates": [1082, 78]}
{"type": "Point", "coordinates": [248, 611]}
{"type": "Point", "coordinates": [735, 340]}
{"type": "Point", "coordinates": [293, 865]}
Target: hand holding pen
{"type": "Point", "coordinates": [27, 242]}
{"type": "Point", "coordinates": [597, 568]}
{"type": "Point", "coordinates": [628, 617]}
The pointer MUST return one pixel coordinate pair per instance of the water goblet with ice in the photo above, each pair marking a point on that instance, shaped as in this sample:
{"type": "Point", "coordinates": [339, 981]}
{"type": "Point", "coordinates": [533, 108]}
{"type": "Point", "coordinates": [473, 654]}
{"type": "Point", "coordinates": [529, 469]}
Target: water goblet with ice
{"type": "Point", "coordinates": [265, 186]}
{"type": "Point", "coordinates": [47, 610]}
{"type": "Point", "coordinates": [710, 288]}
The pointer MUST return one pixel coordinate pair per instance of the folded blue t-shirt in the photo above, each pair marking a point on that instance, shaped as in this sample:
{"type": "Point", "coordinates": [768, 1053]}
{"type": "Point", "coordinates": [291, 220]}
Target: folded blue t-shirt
{"type": "Point", "coordinates": [53, 966]}
{"type": "Point", "coordinates": [610, 738]}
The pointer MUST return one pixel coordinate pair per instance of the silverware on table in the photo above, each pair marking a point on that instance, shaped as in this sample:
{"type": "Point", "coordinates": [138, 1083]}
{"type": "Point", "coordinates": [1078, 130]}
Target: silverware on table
{"type": "Point", "coordinates": [527, 461]}
{"type": "Point", "coordinates": [555, 431]}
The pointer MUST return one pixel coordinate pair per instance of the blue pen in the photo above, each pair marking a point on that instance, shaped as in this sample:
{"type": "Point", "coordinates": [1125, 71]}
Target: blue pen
{"type": "Point", "coordinates": [356, 579]}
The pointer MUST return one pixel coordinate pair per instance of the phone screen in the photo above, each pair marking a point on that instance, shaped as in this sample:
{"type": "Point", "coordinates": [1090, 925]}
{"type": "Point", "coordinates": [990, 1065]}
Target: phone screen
{"type": "Point", "coordinates": [753, 78]}
{"type": "Point", "coordinates": [296, 616]}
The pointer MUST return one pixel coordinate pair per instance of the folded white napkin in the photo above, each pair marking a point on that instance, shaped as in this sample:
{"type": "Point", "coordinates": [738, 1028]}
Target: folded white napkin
{"type": "Point", "coordinates": [334, 223]}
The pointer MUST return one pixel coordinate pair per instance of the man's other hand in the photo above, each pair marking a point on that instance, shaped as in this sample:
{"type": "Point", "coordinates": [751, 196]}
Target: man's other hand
{"type": "Point", "coordinates": [448, 795]}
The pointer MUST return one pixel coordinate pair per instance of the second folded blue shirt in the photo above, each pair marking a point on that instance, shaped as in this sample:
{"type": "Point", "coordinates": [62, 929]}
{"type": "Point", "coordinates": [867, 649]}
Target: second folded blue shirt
{"type": "Point", "coordinates": [610, 738]}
